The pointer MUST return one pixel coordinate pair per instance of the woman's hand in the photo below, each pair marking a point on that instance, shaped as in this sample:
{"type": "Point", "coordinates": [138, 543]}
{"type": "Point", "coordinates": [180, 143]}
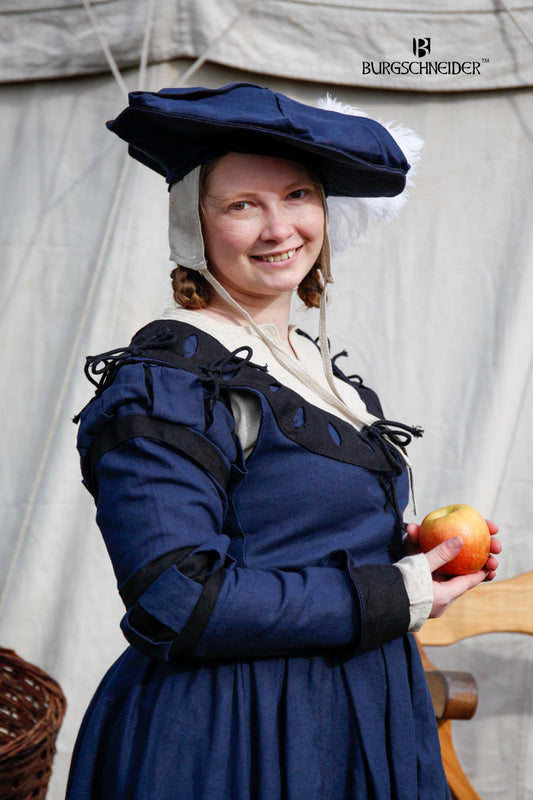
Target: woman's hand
{"type": "Point", "coordinates": [446, 589]}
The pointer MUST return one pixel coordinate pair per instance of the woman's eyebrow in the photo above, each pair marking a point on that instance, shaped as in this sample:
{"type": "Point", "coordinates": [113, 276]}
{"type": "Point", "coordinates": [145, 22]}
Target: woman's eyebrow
{"type": "Point", "coordinates": [255, 192]}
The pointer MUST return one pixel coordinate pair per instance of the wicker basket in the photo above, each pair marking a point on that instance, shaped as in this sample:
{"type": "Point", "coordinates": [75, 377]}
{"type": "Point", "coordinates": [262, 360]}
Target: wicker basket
{"type": "Point", "coordinates": [32, 707]}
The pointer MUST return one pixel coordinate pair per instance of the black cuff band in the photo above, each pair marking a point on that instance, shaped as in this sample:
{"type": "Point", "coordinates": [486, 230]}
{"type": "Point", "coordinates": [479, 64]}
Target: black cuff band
{"type": "Point", "coordinates": [384, 602]}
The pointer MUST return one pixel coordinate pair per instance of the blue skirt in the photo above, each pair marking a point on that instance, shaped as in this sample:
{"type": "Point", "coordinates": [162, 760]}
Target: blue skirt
{"type": "Point", "coordinates": [328, 727]}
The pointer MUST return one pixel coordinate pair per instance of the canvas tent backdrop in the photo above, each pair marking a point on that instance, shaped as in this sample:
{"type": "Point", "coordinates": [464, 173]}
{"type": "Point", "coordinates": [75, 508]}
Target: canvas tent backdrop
{"type": "Point", "coordinates": [434, 308]}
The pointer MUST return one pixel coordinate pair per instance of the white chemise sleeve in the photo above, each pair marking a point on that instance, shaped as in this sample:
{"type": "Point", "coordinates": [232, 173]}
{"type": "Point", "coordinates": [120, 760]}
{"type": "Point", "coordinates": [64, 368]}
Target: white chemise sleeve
{"type": "Point", "coordinates": [419, 586]}
{"type": "Point", "coordinates": [246, 410]}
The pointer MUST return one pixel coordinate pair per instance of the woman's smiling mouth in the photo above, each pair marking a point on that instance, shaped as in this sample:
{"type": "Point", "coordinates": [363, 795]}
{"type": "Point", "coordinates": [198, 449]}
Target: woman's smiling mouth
{"type": "Point", "coordinates": [278, 256]}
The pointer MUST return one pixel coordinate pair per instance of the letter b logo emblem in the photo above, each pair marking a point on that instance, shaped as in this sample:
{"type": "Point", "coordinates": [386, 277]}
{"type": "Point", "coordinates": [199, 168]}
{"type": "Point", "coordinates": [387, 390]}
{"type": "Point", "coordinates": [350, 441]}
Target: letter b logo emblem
{"type": "Point", "coordinates": [421, 47]}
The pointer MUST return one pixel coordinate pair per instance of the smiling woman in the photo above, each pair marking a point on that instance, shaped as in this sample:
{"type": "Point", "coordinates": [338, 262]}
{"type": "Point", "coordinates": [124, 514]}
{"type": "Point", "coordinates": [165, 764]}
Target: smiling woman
{"type": "Point", "coordinates": [250, 495]}
{"type": "Point", "coordinates": [263, 229]}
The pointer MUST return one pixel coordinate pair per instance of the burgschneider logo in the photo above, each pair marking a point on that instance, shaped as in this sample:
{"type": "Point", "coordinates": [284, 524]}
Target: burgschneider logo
{"type": "Point", "coordinates": [421, 49]}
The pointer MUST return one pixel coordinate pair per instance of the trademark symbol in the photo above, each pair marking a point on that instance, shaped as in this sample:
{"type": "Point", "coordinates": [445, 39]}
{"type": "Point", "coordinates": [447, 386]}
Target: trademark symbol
{"type": "Point", "coordinates": [485, 60]}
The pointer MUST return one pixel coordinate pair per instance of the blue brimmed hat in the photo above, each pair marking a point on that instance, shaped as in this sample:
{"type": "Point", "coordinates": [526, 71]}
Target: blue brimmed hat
{"type": "Point", "coordinates": [175, 130]}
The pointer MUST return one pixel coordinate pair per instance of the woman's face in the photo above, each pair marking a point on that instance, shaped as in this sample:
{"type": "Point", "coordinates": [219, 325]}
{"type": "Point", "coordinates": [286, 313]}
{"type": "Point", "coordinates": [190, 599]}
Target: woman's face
{"type": "Point", "coordinates": [262, 224]}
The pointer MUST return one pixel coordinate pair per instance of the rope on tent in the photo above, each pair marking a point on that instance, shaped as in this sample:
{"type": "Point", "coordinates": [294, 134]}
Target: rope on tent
{"type": "Point", "coordinates": [107, 52]}
{"type": "Point", "coordinates": [83, 320]}
{"type": "Point", "coordinates": [195, 66]}
{"type": "Point", "coordinates": [146, 42]}
{"type": "Point", "coordinates": [516, 22]}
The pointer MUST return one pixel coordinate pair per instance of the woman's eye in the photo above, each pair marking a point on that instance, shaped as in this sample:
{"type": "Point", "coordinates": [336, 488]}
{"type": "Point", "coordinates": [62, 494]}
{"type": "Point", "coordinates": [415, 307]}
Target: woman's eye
{"type": "Point", "coordinates": [298, 194]}
{"type": "Point", "coordinates": [240, 205]}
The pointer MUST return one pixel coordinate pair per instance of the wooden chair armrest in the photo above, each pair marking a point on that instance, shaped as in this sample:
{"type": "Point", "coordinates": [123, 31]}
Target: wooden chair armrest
{"type": "Point", "coordinates": [454, 694]}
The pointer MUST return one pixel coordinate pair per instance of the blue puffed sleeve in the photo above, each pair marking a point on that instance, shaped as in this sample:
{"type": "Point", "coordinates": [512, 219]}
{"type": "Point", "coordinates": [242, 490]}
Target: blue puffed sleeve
{"type": "Point", "coordinates": [161, 462]}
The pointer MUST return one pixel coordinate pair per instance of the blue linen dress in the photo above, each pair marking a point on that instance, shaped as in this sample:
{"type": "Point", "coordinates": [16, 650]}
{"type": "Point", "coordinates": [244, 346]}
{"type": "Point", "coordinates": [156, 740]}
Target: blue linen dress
{"type": "Point", "coordinates": [269, 658]}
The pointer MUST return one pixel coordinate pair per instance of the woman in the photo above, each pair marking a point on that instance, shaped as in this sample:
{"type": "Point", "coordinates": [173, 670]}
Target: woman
{"type": "Point", "coordinates": [250, 496]}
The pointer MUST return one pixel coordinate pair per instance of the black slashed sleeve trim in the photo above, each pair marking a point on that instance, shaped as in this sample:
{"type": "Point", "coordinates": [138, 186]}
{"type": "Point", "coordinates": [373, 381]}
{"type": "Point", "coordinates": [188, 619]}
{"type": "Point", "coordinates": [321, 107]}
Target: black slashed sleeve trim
{"type": "Point", "coordinates": [185, 643]}
{"type": "Point", "coordinates": [384, 601]}
{"type": "Point", "coordinates": [194, 567]}
{"type": "Point", "coordinates": [172, 434]}
{"type": "Point", "coordinates": [141, 580]}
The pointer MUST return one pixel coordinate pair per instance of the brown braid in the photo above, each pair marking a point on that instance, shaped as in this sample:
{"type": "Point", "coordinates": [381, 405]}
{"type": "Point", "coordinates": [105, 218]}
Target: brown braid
{"type": "Point", "coordinates": [190, 288]}
{"type": "Point", "coordinates": [311, 287]}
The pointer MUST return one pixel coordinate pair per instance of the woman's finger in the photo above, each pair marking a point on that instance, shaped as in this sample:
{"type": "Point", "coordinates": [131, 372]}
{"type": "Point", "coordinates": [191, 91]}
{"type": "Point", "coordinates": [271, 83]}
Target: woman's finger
{"type": "Point", "coordinates": [412, 530]}
{"type": "Point", "coordinates": [444, 552]}
{"type": "Point", "coordinates": [495, 545]}
{"type": "Point", "coordinates": [493, 528]}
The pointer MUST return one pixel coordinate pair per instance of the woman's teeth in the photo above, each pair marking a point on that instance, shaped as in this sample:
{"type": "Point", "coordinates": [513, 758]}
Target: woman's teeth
{"type": "Point", "coordinates": [279, 256]}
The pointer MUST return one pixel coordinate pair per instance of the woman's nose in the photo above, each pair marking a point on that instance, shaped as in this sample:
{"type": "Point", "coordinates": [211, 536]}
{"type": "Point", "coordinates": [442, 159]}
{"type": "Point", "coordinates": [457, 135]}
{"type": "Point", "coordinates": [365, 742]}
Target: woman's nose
{"type": "Point", "coordinates": [277, 225]}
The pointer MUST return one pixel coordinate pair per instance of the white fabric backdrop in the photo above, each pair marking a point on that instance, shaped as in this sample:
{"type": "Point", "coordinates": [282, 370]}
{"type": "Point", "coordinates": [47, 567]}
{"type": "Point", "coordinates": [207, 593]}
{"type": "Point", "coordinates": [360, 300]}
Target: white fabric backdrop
{"type": "Point", "coordinates": [434, 309]}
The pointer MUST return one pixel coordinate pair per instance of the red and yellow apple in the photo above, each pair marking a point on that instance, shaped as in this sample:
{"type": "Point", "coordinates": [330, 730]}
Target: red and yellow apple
{"type": "Point", "coordinates": [457, 520]}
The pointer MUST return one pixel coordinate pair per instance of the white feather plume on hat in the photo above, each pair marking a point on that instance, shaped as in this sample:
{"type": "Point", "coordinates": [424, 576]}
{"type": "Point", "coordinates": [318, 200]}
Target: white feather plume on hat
{"type": "Point", "coordinates": [349, 216]}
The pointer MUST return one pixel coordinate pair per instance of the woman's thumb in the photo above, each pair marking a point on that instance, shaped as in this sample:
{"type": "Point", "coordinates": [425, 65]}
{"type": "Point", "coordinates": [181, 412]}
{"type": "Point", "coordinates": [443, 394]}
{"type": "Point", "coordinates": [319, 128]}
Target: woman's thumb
{"type": "Point", "coordinates": [444, 552]}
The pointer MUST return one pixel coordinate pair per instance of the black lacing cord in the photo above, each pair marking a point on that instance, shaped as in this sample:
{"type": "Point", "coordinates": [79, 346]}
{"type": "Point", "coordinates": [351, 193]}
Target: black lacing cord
{"type": "Point", "coordinates": [388, 485]}
{"type": "Point", "coordinates": [340, 374]}
{"type": "Point", "coordinates": [105, 365]}
{"type": "Point", "coordinates": [343, 354]}
{"type": "Point", "coordinates": [397, 433]}
{"type": "Point", "coordinates": [101, 369]}
{"type": "Point", "coordinates": [388, 436]}
{"type": "Point", "coordinates": [229, 365]}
